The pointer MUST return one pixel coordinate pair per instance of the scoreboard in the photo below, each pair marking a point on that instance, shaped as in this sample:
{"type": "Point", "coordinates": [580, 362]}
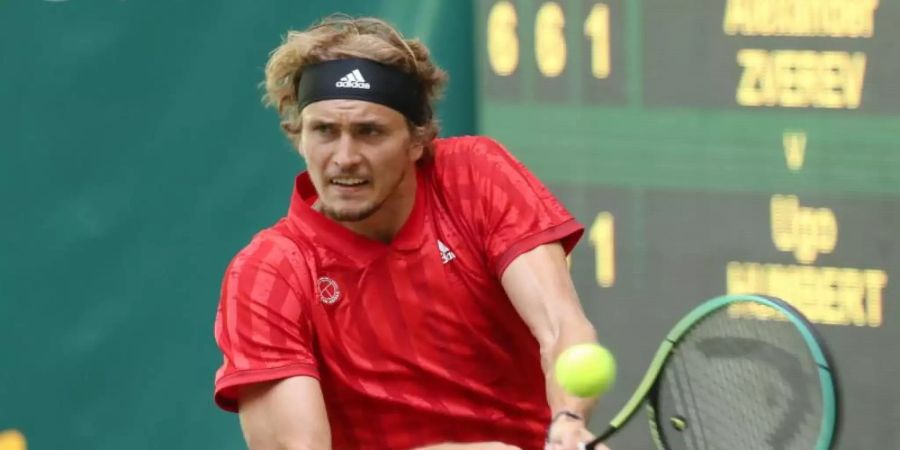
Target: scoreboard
{"type": "Point", "coordinates": [711, 147]}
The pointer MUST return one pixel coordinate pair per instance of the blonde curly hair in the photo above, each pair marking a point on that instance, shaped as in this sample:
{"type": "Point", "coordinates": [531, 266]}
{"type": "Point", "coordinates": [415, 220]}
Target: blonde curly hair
{"type": "Point", "coordinates": [339, 37]}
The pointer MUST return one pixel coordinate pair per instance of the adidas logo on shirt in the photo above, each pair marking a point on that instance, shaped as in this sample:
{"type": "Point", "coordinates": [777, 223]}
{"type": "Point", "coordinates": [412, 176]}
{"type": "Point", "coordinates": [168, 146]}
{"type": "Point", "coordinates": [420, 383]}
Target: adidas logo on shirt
{"type": "Point", "coordinates": [353, 80]}
{"type": "Point", "coordinates": [447, 255]}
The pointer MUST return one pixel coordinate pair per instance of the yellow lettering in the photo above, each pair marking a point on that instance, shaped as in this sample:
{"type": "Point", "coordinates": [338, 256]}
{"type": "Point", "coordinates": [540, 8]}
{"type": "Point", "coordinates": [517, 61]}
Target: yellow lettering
{"type": "Point", "coordinates": [752, 88]}
{"type": "Point", "coordinates": [502, 42]}
{"type": "Point", "coordinates": [826, 233]}
{"type": "Point", "coordinates": [763, 16]}
{"type": "Point", "coordinates": [800, 79]}
{"type": "Point", "coordinates": [827, 295]}
{"type": "Point", "coordinates": [851, 307]}
{"type": "Point", "coordinates": [854, 73]}
{"type": "Point", "coordinates": [794, 143]}
{"type": "Point", "coordinates": [786, 66]}
{"type": "Point", "coordinates": [549, 39]}
{"type": "Point", "coordinates": [804, 18]}
{"type": "Point", "coordinates": [782, 210]}
{"type": "Point", "coordinates": [850, 282]}
{"type": "Point", "coordinates": [596, 27]}
{"type": "Point", "coordinates": [806, 249]}
{"type": "Point", "coordinates": [602, 235]}
{"type": "Point", "coordinates": [808, 64]}
{"type": "Point", "coordinates": [831, 81]}
{"type": "Point", "coordinates": [867, 18]}
{"type": "Point", "coordinates": [735, 17]}
{"type": "Point", "coordinates": [876, 281]}
{"type": "Point", "coordinates": [807, 232]}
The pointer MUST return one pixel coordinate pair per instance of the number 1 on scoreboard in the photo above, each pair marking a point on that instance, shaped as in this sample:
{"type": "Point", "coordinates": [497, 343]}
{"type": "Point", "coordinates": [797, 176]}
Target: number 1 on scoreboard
{"type": "Point", "coordinates": [596, 28]}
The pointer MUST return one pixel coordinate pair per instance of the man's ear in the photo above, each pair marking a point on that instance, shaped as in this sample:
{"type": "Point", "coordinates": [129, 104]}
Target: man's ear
{"type": "Point", "coordinates": [292, 130]}
{"type": "Point", "coordinates": [417, 146]}
{"type": "Point", "coordinates": [299, 147]}
{"type": "Point", "coordinates": [417, 150]}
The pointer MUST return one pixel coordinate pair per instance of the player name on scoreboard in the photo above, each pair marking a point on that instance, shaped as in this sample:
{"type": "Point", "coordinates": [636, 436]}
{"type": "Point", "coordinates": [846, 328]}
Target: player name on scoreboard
{"type": "Point", "coordinates": [806, 18]}
{"type": "Point", "coordinates": [785, 54]}
{"type": "Point", "coordinates": [801, 78]}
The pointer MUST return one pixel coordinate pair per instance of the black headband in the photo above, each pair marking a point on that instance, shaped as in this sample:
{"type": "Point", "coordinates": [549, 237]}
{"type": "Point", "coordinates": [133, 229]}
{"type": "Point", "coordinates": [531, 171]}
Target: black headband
{"type": "Point", "coordinates": [363, 79]}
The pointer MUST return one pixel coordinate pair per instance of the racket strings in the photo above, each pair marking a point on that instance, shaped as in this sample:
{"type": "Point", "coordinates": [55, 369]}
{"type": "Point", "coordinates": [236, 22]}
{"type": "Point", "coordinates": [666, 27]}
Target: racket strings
{"type": "Point", "coordinates": [740, 384]}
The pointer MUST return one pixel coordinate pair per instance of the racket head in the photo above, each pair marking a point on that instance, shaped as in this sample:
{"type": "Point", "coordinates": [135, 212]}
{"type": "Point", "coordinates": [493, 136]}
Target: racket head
{"type": "Point", "coordinates": [732, 380]}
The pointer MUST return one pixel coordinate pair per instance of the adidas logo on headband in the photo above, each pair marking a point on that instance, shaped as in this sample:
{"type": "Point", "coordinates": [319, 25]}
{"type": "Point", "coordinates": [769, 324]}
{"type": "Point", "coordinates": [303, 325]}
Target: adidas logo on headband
{"type": "Point", "coordinates": [343, 79]}
{"type": "Point", "coordinates": [353, 80]}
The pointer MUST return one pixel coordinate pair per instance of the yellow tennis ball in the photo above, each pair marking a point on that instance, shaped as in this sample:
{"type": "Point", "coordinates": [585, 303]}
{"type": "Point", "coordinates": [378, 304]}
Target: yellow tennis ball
{"type": "Point", "coordinates": [586, 370]}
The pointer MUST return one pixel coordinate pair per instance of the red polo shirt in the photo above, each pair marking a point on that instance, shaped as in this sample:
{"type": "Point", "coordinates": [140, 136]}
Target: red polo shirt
{"type": "Point", "coordinates": [414, 342]}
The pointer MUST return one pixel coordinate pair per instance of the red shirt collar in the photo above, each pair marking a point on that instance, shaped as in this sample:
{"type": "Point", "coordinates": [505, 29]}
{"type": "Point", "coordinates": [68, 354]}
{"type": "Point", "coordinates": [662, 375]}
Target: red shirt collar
{"type": "Point", "coordinates": [335, 236]}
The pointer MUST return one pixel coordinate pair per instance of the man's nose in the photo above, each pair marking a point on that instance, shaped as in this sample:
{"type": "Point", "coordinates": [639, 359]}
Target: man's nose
{"type": "Point", "coordinates": [347, 153]}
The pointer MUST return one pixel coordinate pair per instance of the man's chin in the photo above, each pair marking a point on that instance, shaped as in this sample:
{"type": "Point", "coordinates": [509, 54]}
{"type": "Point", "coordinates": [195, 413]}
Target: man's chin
{"type": "Point", "coordinates": [349, 213]}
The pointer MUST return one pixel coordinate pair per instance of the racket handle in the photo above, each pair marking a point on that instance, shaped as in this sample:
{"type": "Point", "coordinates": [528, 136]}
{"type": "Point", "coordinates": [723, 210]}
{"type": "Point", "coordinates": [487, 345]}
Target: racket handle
{"type": "Point", "coordinates": [589, 445]}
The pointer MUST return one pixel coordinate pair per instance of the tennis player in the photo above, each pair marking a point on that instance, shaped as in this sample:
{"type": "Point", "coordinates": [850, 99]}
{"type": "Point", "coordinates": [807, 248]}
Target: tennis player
{"type": "Point", "coordinates": [416, 294]}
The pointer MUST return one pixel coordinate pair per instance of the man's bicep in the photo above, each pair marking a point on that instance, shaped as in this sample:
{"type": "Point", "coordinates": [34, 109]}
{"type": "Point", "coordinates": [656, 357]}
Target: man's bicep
{"type": "Point", "coordinates": [287, 414]}
{"type": "Point", "coordinates": [540, 287]}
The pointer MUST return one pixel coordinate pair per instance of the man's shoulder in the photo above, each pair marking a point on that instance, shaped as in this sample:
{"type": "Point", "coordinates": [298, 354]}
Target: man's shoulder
{"type": "Point", "coordinates": [465, 147]}
{"type": "Point", "coordinates": [461, 157]}
{"type": "Point", "coordinates": [271, 248]}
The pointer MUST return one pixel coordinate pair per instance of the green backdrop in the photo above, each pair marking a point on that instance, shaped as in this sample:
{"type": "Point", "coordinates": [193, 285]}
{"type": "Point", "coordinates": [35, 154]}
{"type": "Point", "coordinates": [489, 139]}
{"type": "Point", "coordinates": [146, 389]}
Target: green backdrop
{"type": "Point", "coordinates": [135, 159]}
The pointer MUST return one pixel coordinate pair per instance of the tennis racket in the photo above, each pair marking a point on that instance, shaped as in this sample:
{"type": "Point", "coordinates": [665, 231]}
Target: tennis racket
{"type": "Point", "coordinates": [724, 379]}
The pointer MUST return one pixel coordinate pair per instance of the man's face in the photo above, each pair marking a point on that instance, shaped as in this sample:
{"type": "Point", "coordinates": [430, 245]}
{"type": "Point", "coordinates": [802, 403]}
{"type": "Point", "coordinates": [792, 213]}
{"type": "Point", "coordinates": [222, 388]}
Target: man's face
{"type": "Point", "coordinates": [357, 154]}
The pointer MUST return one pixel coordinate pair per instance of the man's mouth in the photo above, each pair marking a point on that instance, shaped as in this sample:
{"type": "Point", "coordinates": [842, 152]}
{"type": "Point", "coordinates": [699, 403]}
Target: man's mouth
{"type": "Point", "coordinates": [348, 181]}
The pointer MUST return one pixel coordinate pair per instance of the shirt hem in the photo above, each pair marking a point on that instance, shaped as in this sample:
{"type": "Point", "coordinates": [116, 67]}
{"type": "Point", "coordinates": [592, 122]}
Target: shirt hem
{"type": "Point", "coordinates": [226, 387]}
{"type": "Point", "coordinates": [568, 232]}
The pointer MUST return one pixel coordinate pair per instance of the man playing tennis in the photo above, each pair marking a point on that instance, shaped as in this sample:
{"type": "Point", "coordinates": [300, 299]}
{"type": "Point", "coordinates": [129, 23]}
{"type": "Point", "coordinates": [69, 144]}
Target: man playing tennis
{"type": "Point", "coordinates": [416, 294]}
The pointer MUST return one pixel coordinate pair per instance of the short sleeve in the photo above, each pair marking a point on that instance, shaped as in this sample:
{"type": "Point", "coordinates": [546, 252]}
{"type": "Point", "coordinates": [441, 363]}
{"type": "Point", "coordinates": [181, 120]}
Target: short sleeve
{"type": "Point", "coordinates": [261, 326]}
{"type": "Point", "coordinates": [513, 211]}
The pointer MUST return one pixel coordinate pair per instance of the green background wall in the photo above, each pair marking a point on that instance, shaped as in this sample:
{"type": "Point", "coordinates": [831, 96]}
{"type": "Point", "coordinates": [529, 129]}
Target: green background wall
{"type": "Point", "coordinates": [135, 159]}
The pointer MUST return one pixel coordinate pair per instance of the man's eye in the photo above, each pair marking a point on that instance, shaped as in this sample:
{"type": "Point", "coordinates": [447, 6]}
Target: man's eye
{"type": "Point", "coordinates": [323, 129]}
{"type": "Point", "coordinates": [370, 131]}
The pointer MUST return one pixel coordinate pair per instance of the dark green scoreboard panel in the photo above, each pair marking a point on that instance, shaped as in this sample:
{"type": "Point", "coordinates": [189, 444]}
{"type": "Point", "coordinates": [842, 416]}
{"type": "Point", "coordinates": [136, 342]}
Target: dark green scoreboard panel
{"type": "Point", "coordinates": [717, 146]}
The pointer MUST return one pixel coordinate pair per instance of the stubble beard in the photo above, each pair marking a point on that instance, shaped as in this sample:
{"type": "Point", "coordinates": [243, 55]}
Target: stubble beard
{"type": "Point", "coordinates": [350, 214]}
{"type": "Point", "coordinates": [361, 213]}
